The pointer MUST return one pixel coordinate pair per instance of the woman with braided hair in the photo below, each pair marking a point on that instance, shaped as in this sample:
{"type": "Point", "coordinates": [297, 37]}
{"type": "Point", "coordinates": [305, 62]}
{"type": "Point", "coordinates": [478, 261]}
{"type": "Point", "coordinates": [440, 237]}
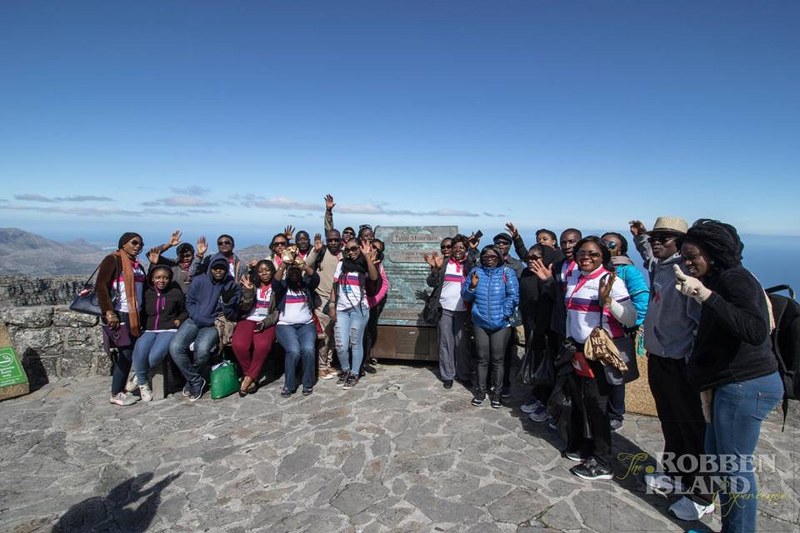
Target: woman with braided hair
{"type": "Point", "coordinates": [732, 363]}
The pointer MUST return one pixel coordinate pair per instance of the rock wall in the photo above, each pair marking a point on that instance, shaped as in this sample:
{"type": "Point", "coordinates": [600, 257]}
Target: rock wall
{"type": "Point", "coordinates": [54, 342]}
{"type": "Point", "coordinates": [22, 291]}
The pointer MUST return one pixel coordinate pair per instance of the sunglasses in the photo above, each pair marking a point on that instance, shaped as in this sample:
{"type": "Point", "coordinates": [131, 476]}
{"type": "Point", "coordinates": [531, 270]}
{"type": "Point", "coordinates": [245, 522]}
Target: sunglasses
{"type": "Point", "coordinates": [280, 243]}
{"type": "Point", "coordinates": [593, 255]}
{"type": "Point", "coordinates": [334, 240]}
{"type": "Point", "coordinates": [502, 243]}
{"type": "Point", "coordinates": [220, 243]}
{"type": "Point", "coordinates": [446, 246]}
{"type": "Point", "coordinates": [353, 249]}
{"type": "Point", "coordinates": [663, 239]}
{"type": "Point", "coordinates": [134, 242]}
{"type": "Point", "coordinates": [348, 232]}
{"type": "Point", "coordinates": [611, 245]}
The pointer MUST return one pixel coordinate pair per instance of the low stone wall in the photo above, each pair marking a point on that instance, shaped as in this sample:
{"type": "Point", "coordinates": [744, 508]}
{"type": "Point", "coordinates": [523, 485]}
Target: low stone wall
{"type": "Point", "coordinates": [54, 342]}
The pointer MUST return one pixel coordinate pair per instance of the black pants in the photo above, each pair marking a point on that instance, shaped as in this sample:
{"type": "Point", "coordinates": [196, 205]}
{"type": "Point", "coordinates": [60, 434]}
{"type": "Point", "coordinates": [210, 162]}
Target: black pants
{"type": "Point", "coordinates": [490, 346]}
{"type": "Point", "coordinates": [680, 414]}
{"type": "Point", "coordinates": [590, 429]}
{"type": "Point", "coordinates": [122, 362]}
{"type": "Point", "coordinates": [616, 402]}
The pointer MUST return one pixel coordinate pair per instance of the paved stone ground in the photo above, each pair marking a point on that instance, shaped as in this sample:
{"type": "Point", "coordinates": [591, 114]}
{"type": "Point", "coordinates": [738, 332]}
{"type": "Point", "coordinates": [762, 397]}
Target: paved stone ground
{"type": "Point", "coordinates": [396, 453]}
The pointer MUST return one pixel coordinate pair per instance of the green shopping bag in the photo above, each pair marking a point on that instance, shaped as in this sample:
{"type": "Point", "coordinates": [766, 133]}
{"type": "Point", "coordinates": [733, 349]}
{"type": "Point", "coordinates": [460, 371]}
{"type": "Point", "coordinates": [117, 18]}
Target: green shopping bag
{"type": "Point", "coordinates": [224, 380]}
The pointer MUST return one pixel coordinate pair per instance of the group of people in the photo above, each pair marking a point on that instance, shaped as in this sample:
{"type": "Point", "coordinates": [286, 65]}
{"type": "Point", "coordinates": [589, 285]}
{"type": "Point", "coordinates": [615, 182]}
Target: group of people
{"type": "Point", "coordinates": [702, 323]}
{"type": "Point", "coordinates": [305, 300]}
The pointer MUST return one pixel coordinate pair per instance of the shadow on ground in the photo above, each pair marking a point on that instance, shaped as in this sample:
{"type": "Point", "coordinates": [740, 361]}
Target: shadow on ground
{"type": "Point", "coordinates": [128, 507]}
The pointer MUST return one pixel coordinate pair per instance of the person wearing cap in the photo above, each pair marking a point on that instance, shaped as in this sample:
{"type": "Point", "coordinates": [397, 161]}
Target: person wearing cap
{"type": "Point", "coordinates": [670, 327]}
{"type": "Point", "coordinates": [503, 241]}
{"type": "Point", "coordinates": [212, 295]}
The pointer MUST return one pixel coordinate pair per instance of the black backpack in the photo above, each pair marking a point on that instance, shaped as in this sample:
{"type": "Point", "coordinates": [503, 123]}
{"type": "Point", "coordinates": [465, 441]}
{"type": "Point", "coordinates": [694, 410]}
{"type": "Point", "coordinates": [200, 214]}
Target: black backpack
{"type": "Point", "coordinates": [786, 341]}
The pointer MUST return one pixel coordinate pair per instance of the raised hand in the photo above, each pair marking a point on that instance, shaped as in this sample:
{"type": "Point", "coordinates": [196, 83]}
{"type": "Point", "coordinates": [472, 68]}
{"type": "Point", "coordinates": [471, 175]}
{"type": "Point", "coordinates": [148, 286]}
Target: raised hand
{"type": "Point", "coordinates": [473, 241]}
{"type": "Point", "coordinates": [252, 264]}
{"type": "Point", "coordinates": [153, 255]}
{"type": "Point", "coordinates": [473, 282]}
{"type": "Point", "coordinates": [512, 229]}
{"type": "Point", "coordinates": [604, 289]}
{"type": "Point", "coordinates": [637, 228]}
{"type": "Point", "coordinates": [329, 205]}
{"type": "Point", "coordinates": [438, 260]}
{"type": "Point", "coordinates": [289, 232]}
{"type": "Point", "coordinates": [246, 283]}
{"type": "Point", "coordinates": [368, 250]}
{"type": "Point", "coordinates": [542, 272]}
{"type": "Point", "coordinates": [202, 246]}
{"type": "Point", "coordinates": [317, 242]}
{"type": "Point", "coordinates": [175, 238]}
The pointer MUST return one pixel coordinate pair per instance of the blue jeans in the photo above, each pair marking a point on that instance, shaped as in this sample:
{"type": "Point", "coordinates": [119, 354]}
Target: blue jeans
{"type": "Point", "coordinates": [150, 349]}
{"type": "Point", "coordinates": [349, 330]}
{"type": "Point", "coordinates": [299, 342]}
{"type": "Point", "coordinates": [205, 344]}
{"type": "Point", "coordinates": [738, 411]}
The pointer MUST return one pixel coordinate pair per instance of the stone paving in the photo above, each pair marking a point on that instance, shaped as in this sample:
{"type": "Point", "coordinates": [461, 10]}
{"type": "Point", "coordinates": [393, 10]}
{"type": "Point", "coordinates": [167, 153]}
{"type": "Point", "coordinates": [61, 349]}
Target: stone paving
{"type": "Point", "coordinates": [396, 453]}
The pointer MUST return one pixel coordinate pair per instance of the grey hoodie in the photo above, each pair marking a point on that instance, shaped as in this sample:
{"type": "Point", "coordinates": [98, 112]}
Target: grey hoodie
{"type": "Point", "coordinates": [671, 322]}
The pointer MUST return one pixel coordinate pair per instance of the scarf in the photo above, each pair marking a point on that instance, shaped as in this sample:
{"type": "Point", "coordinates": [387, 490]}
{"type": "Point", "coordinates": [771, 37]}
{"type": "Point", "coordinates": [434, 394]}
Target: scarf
{"type": "Point", "coordinates": [130, 292]}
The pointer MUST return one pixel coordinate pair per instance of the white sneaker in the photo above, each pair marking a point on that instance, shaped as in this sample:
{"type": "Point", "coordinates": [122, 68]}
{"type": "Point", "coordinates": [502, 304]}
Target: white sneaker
{"type": "Point", "coordinates": [659, 482]}
{"type": "Point", "coordinates": [539, 415]}
{"type": "Point", "coordinates": [686, 509]}
{"type": "Point", "coordinates": [145, 393]}
{"type": "Point", "coordinates": [132, 384]}
{"type": "Point", "coordinates": [122, 398]}
{"type": "Point", "coordinates": [530, 407]}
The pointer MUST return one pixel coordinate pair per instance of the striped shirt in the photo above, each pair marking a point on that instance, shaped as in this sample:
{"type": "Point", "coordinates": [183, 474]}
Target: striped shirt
{"type": "Point", "coordinates": [350, 294]}
{"type": "Point", "coordinates": [261, 307]}
{"type": "Point", "coordinates": [450, 297]}
{"type": "Point", "coordinates": [139, 279]}
{"type": "Point", "coordinates": [295, 310]}
{"type": "Point", "coordinates": [583, 304]}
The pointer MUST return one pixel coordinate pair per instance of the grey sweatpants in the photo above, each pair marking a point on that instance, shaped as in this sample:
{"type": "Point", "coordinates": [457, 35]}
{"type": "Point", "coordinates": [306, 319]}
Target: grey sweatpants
{"type": "Point", "coordinates": [453, 346]}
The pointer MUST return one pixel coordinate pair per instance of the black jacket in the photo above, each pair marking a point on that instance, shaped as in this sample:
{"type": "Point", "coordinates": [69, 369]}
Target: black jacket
{"type": "Point", "coordinates": [733, 342]}
{"type": "Point", "coordinates": [161, 310]}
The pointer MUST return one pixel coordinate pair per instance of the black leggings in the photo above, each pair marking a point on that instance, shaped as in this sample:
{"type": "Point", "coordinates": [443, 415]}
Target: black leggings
{"type": "Point", "coordinates": [490, 346]}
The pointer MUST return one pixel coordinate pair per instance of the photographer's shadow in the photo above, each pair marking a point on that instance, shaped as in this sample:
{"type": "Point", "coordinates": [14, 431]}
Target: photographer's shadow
{"type": "Point", "coordinates": [129, 506]}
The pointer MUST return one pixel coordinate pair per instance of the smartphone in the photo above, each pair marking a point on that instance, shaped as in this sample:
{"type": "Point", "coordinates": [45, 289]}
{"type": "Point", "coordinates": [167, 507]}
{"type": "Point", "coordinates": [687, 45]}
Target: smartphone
{"type": "Point", "coordinates": [478, 234]}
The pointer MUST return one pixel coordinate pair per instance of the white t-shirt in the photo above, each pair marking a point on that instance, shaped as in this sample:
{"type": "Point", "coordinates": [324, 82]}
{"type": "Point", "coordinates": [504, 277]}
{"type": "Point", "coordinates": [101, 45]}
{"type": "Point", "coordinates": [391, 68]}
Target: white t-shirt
{"type": "Point", "coordinates": [350, 294]}
{"type": "Point", "coordinates": [260, 309]}
{"type": "Point", "coordinates": [450, 297]}
{"type": "Point", "coordinates": [296, 310]}
{"type": "Point", "coordinates": [583, 304]}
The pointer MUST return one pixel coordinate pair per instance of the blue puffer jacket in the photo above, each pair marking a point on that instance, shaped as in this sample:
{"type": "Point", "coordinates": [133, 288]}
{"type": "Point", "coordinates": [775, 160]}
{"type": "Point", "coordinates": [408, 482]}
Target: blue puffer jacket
{"type": "Point", "coordinates": [495, 297]}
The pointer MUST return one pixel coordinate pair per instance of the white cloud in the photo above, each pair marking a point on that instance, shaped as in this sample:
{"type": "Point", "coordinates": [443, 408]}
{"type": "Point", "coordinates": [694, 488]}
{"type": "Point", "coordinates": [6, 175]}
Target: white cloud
{"type": "Point", "coordinates": [180, 201]}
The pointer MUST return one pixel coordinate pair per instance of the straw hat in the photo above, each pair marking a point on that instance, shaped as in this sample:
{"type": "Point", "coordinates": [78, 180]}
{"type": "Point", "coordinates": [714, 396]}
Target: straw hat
{"type": "Point", "coordinates": [670, 225]}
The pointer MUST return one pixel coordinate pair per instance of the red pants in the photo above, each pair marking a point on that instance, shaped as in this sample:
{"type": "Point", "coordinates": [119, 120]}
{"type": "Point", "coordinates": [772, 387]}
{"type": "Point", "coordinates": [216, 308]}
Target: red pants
{"type": "Point", "coordinates": [251, 347]}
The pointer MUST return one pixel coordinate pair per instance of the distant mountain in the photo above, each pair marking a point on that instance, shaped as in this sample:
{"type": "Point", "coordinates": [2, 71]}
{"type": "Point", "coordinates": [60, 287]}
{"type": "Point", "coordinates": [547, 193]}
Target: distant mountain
{"type": "Point", "coordinates": [29, 254]}
{"type": "Point", "coordinates": [32, 255]}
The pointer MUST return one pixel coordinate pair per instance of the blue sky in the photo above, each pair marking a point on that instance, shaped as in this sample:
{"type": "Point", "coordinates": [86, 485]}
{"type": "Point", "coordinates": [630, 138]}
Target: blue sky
{"type": "Point", "coordinates": [240, 116]}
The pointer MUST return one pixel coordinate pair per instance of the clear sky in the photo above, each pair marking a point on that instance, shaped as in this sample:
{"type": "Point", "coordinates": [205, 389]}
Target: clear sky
{"type": "Point", "coordinates": [235, 116]}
